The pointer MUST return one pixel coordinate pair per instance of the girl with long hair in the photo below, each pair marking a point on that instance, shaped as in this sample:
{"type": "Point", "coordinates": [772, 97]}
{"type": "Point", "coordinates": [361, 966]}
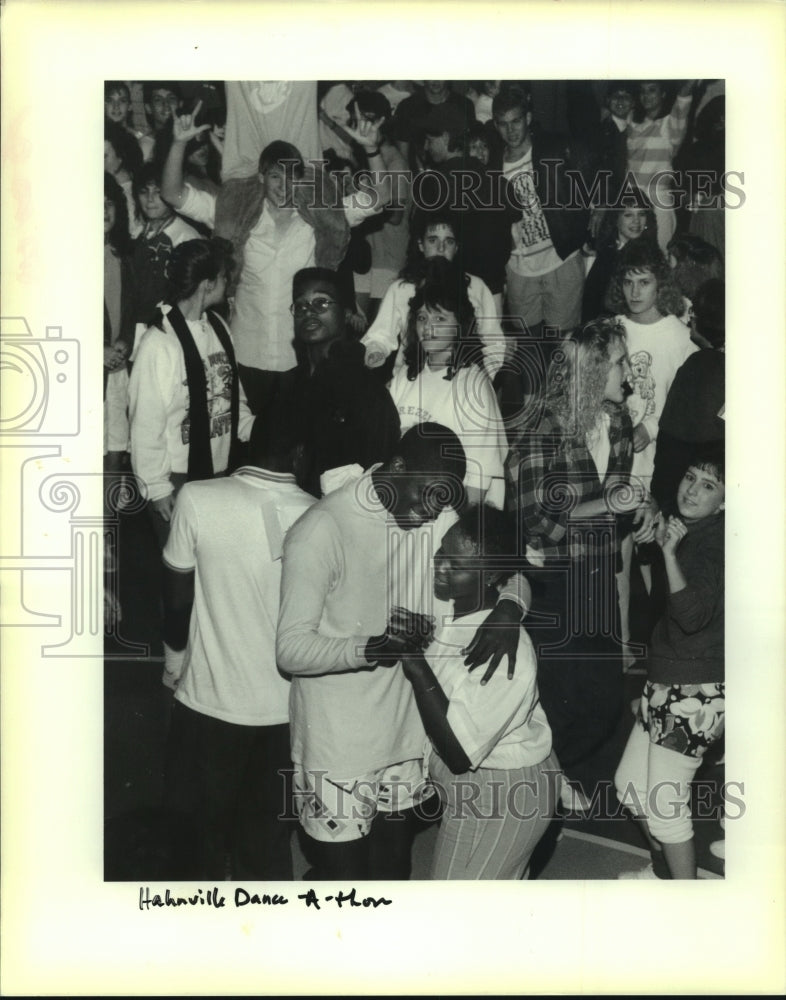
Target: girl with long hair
{"type": "Point", "coordinates": [569, 481]}
{"type": "Point", "coordinates": [443, 378]}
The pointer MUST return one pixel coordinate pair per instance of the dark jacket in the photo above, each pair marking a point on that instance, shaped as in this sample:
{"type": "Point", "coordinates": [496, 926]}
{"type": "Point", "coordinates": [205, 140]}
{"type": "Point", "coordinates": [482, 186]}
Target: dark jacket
{"type": "Point", "coordinates": [350, 415]}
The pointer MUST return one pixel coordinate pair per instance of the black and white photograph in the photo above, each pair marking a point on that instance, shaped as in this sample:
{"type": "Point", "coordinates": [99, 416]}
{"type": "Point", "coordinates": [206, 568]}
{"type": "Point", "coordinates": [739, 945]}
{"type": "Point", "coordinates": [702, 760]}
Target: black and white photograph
{"type": "Point", "coordinates": [403, 558]}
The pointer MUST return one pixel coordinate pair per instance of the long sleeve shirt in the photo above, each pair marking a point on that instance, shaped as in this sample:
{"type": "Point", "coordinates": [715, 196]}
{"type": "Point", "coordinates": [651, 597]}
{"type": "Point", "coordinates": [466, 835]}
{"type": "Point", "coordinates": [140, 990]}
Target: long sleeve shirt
{"type": "Point", "coordinates": [159, 405]}
{"type": "Point", "coordinates": [687, 645]}
{"type": "Point", "coordinates": [549, 475]}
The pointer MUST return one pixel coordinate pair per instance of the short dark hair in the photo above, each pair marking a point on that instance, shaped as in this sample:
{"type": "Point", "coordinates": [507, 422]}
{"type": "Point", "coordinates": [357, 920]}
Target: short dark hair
{"type": "Point", "coordinates": [511, 96]}
{"type": "Point", "coordinates": [150, 85]}
{"type": "Point", "coordinates": [433, 448]}
{"type": "Point", "coordinates": [493, 534]}
{"type": "Point", "coordinates": [113, 87]}
{"type": "Point", "coordinates": [275, 439]}
{"type": "Point", "coordinates": [149, 174]}
{"type": "Point", "coordinates": [307, 275]}
{"type": "Point", "coordinates": [282, 154]}
{"type": "Point", "coordinates": [710, 458]}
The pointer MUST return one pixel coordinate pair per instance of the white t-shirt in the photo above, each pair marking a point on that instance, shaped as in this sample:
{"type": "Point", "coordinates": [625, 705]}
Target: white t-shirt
{"type": "Point", "coordinates": [655, 352]}
{"type": "Point", "coordinates": [467, 405]}
{"type": "Point", "coordinates": [500, 724]}
{"type": "Point", "coordinates": [533, 253]}
{"type": "Point", "coordinates": [231, 532]}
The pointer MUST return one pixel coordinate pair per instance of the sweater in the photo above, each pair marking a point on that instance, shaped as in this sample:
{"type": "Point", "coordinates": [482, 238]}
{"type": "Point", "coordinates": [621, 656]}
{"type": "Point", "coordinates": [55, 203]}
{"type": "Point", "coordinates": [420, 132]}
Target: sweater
{"type": "Point", "coordinates": [687, 644]}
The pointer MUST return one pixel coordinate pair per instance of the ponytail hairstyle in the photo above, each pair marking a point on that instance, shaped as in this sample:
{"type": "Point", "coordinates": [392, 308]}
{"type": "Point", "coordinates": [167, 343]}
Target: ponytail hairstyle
{"type": "Point", "coordinates": [194, 261]}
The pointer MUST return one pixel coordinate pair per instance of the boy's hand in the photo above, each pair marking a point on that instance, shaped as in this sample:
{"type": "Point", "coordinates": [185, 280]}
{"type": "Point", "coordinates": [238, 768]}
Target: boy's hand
{"type": "Point", "coordinates": [165, 506]}
{"type": "Point", "coordinates": [183, 127]}
{"type": "Point", "coordinates": [365, 134]}
{"type": "Point", "coordinates": [496, 637]}
{"type": "Point", "coordinates": [672, 536]}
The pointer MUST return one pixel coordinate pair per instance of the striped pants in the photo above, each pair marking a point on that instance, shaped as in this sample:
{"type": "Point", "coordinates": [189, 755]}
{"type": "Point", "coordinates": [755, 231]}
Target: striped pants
{"type": "Point", "coordinates": [493, 819]}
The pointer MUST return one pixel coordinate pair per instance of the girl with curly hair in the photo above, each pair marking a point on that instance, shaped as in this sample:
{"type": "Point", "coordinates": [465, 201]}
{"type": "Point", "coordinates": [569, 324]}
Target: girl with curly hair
{"type": "Point", "coordinates": [443, 378]}
{"type": "Point", "coordinates": [643, 290]}
{"type": "Point", "coordinates": [569, 480]}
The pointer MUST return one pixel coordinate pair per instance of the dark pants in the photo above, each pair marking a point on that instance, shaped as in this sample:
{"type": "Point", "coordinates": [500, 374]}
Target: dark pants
{"type": "Point", "coordinates": [580, 676]}
{"type": "Point", "coordinates": [385, 854]}
{"type": "Point", "coordinates": [236, 784]}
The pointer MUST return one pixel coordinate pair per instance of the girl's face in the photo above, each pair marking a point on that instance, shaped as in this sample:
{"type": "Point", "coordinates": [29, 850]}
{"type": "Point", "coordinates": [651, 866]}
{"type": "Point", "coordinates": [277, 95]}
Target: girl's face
{"type": "Point", "coordinates": [437, 330]}
{"type": "Point", "coordinates": [112, 162]}
{"type": "Point", "coordinates": [116, 106]}
{"type": "Point", "coordinates": [631, 223]}
{"type": "Point", "coordinates": [480, 150]}
{"type": "Point", "coordinates": [651, 96]}
{"type": "Point", "coordinates": [439, 241]}
{"type": "Point", "coordinates": [110, 214]}
{"type": "Point", "coordinates": [151, 204]}
{"type": "Point", "coordinates": [454, 577]}
{"type": "Point", "coordinates": [640, 289]}
{"type": "Point", "coordinates": [700, 494]}
{"type": "Point", "coordinates": [618, 374]}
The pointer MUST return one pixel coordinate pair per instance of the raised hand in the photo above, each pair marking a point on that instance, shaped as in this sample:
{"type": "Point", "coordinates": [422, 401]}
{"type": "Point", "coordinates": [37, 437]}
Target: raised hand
{"type": "Point", "coordinates": [184, 127]}
{"type": "Point", "coordinates": [365, 133]}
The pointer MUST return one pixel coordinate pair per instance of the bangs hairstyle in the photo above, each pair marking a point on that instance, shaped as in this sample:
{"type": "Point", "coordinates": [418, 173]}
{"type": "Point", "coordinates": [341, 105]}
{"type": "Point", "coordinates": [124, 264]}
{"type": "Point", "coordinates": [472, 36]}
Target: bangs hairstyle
{"type": "Point", "coordinates": [443, 286]}
{"type": "Point", "coordinates": [608, 232]}
{"type": "Point", "coordinates": [575, 389]}
{"type": "Point", "coordinates": [637, 257]}
{"type": "Point", "coordinates": [194, 261]}
{"type": "Point", "coordinates": [423, 219]}
{"type": "Point", "coordinates": [118, 237]}
{"type": "Point", "coordinates": [493, 534]}
{"type": "Point", "coordinates": [710, 458]}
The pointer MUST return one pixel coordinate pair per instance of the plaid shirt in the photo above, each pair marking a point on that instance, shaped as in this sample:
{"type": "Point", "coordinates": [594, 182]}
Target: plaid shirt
{"type": "Point", "coordinates": [549, 475]}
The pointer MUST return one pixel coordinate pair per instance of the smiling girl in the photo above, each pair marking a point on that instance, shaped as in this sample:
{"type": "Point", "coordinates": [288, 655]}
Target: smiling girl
{"type": "Point", "coordinates": [491, 758]}
{"type": "Point", "coordinates": [444, 380]}
{"type": "Point", "coordinates": [619, 226]}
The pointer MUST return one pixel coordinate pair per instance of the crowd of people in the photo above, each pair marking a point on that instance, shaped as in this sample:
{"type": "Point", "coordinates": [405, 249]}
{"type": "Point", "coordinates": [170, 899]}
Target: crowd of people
{"type": "Point", "coordinates": [414, 377]}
